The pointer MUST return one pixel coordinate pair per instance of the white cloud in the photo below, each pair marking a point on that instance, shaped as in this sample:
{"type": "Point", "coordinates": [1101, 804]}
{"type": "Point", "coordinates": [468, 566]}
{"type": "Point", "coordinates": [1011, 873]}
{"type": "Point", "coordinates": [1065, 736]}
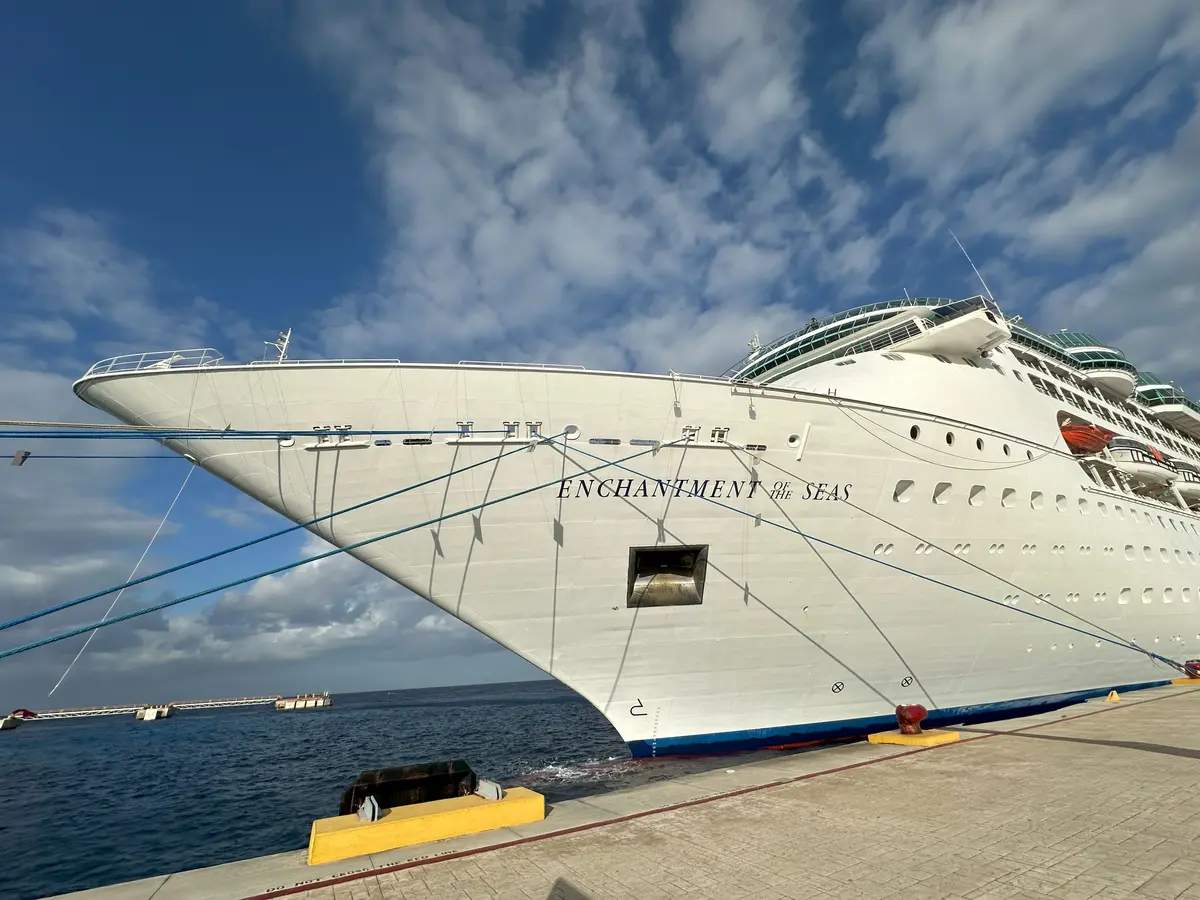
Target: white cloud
{"type": "Point", "coordinates": [745, 61]}
{"type": "Point", "coordinates": [73, 282]}
{"type": "Point", "coordinates": [976, 81]}
{"type": "Point", "coordinates": [333, 607]}
{"type": "Point", "coordinates": [1066, 139]}
{"type": "Point", "coordinates": [562, 211]}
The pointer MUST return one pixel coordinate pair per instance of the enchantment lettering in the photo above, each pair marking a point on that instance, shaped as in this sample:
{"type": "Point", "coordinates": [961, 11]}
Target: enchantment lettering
{"type": "Point", "coordinates": [715, 489]}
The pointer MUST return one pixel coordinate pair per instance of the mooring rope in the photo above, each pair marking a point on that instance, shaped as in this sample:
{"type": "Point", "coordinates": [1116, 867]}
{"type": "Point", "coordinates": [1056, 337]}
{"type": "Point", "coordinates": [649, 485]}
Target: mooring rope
{"type": "Point", "coordinates": [49, 610]}
{"type": "Point", "coordinates": [930, 579]}
{"type": "Point", "coordinates": [145, 610]}
{"type": "Point", "coordinates": [133, 572]}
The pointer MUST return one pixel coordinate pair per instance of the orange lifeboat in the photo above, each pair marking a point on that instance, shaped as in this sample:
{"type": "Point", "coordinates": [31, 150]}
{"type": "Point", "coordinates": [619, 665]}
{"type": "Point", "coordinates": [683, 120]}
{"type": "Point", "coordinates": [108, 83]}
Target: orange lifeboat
{"type": "Point", "coordinates": [1085, 438]}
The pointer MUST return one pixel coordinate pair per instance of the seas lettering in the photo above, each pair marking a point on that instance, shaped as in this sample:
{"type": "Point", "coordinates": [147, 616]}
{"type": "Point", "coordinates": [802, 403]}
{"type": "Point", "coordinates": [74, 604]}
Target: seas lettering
{"type": "Point", "coordinates": [712, 489]}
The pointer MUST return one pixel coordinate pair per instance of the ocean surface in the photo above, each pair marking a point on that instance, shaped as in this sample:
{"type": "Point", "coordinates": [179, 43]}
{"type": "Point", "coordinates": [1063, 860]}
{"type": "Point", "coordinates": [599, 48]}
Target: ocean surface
{"type": "Point", "coordinates": [89, 802]}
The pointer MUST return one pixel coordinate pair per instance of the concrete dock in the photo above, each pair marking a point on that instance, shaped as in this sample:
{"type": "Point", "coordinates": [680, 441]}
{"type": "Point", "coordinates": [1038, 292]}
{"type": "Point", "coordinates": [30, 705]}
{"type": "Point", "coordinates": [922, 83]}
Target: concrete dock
{"type": "Point", "coordinates": [1099, 800]}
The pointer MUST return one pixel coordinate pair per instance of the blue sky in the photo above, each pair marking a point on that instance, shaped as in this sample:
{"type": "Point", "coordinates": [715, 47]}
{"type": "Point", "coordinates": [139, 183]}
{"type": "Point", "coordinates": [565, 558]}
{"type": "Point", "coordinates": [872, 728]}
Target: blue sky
{"type": "Point", "coordinates": [618, 184]}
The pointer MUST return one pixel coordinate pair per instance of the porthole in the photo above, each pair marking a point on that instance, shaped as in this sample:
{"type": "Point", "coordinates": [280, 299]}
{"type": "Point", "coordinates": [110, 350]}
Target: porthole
{"type": "Point", "coordinates": [887, 550]}
{"type": "Point", "coordinates": [1029, 454]}
{"type": "Point", "coordinates": [902, 492]}
{"type": "Point", "coordinates": [1122, 598]}
{"type": "Point", "coordinates": [1007, 450]}
{"type": "Point", "coordinates": [1008, 498]}
{"type": "Point", "coordinates": [1147, 554]}
{"type": "Point", "coordinates": [571, 432]}
{"type": "Point", "coordinates": [1060, 503]}
{"type": "Point", "coordinates": [1163, 554]}
{"type": "Point", "coordinates": [949, 438]}
{"type": "Point", "coordinates": [1148, 595]}
{"type": "Point", "coordinates": [979, 444]}
{"type": "Point", "coordinates": [941, 493]}
{"type": "Point", "coordinates": [1101, 508]}
{"type": "Point", "coordinates": [914, 432]}
{"type": "Point", "coordinates": [1185, 594]}
{"type": "Point", "coordinates": [977, 495]}
{"type": "Point", "coordinates": [793, 440]}
{"type": "Point", "coordinates": [920, 548]}
{"type": "Point", "coordinates": [1036, 500]}
{"type": "Point", "coordinates": [1083, 506]}
{"type": "Point", "coordinates": [1168, 595]}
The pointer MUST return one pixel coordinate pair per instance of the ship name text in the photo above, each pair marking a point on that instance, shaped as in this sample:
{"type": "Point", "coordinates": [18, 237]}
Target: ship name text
{"type": "Point", "coordinates": [708, 488]}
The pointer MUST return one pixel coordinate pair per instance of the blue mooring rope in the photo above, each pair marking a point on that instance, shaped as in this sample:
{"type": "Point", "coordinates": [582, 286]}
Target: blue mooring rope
{"type": "Point", "coordinates": [50, 610]}
{"type": "Point", "coordinates": [145, 610]}
{"type": "Point", "coordinates": [897, 568]}
{"type": "Point", "coordinates": [192, 434]}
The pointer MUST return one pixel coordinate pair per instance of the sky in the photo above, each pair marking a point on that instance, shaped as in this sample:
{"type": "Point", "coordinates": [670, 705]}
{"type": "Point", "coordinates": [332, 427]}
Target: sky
{"type": "Point", "coordinates": [620, 184]}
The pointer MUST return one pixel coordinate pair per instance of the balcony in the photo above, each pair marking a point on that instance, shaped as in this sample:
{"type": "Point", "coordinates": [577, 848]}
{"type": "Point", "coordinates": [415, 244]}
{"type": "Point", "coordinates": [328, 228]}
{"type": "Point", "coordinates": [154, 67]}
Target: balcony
{"type": "Point", "coordinates": [1169, 404]}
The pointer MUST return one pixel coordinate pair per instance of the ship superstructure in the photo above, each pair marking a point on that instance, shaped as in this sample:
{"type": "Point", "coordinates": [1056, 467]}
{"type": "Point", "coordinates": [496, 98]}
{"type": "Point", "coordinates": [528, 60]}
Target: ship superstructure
{"type": "Point", "coordinates": [913, 501]}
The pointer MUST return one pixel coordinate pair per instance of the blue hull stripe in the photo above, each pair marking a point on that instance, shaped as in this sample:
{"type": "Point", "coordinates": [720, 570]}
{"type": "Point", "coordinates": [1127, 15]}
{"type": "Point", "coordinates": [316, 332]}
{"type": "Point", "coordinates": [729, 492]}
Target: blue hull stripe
{"type": "Point", "coordinates": [758, 738]}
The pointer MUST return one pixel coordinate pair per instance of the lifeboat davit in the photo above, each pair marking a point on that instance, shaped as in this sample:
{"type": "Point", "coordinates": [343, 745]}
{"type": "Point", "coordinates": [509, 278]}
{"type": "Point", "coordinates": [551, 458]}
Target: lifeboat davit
{"type": "Point", "coordinates": [1085, 438]}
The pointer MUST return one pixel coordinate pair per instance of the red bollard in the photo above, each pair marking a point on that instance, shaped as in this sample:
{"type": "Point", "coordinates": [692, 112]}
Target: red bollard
{"type": "Point", "coordinates": [909, 718]}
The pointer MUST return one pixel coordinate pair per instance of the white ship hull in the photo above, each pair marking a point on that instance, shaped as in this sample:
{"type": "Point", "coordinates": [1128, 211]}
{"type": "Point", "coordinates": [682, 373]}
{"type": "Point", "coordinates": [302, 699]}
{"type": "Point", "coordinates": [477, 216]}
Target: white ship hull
{"type": "Point", "coordinates": [796, 638]}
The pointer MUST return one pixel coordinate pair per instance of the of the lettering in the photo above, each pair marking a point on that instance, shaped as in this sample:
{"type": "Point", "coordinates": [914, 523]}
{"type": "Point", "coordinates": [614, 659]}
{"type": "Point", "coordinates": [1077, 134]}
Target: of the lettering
{"type": "Point", "coordinates": [623, 484]}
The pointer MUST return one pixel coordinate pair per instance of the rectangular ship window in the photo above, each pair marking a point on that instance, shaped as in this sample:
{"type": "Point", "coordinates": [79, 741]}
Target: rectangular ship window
{"type": "Point", "coordinates": [666, 576]}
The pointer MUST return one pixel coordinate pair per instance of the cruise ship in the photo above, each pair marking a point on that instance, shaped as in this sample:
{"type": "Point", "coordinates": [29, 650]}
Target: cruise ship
{"type": "Point", "coordinates": [913, 501]}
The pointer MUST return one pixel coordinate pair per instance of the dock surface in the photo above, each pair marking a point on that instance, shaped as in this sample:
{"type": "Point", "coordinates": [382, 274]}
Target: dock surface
{"type": "Point", "coordinates": [1100, 801]}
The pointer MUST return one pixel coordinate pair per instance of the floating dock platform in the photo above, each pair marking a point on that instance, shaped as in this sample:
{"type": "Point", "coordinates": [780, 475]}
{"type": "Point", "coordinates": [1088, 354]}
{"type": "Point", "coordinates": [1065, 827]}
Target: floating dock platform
{"type": "Point", "coordinates": [1099, 801]}
{"type": "Point", "coordinates": [304, 701]}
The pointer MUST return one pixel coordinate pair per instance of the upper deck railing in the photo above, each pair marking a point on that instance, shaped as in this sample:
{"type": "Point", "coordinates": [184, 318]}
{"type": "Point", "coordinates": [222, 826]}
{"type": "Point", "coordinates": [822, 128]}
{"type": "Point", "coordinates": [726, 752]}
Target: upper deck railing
{"type": "Point", "coordinates": [324, 362]}
{"type": "Point", "coordinates": [185, 359]}
{"type": "Point", "coordinates": [157, 359]}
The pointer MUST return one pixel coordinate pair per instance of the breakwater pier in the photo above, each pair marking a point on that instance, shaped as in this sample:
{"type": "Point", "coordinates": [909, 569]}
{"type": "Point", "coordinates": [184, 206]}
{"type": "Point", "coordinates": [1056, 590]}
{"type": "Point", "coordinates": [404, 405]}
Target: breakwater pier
{"type": "Point", "coordinates": [87, 711]}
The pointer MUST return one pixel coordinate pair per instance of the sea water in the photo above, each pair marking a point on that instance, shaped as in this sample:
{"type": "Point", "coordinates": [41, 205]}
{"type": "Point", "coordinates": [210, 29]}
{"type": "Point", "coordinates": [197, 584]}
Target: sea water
{"type": "Point", "coordinates": [89, 802]}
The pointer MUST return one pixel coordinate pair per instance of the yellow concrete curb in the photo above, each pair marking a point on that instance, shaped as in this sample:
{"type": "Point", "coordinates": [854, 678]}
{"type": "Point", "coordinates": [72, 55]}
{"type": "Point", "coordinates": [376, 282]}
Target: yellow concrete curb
{"type": "Point", "coordinates": [343, 837]}
{"type": "Point", "coordinates": [924, 739]}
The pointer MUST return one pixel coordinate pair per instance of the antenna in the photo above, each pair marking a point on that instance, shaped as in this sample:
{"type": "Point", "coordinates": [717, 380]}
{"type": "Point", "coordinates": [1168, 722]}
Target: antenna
{"type": "Point", "coordinates": [976, 271]}
{"type": "Point", "coordinates": [281, 344]}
